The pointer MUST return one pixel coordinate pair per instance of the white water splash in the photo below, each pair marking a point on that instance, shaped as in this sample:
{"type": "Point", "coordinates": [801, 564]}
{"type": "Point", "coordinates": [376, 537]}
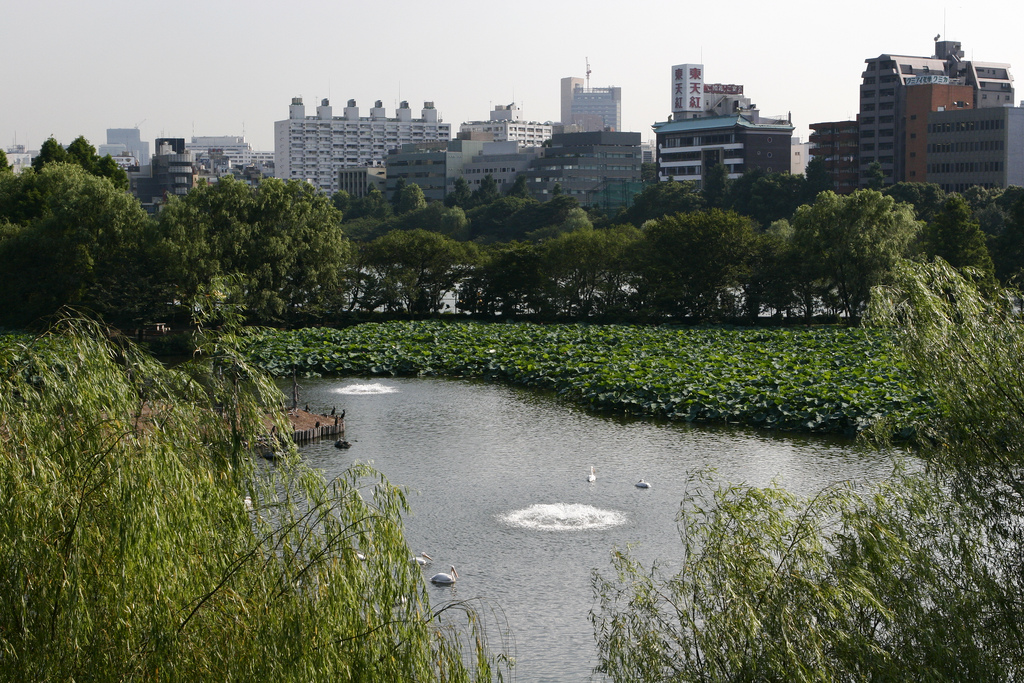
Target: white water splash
{"type": "Point", "coordinates": [365, 389]}
{"type": "Point", "coordinates": [563, 517]}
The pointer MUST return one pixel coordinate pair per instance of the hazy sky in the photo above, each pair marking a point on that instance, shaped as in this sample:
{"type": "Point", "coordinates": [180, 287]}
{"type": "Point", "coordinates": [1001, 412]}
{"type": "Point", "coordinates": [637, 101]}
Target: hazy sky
{"type": "Point", "coordinates": [215, 67]}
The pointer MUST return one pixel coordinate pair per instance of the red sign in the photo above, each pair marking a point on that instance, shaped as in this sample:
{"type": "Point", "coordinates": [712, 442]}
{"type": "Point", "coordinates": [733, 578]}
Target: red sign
{"type": "Point", "coordinates": [723, 89]}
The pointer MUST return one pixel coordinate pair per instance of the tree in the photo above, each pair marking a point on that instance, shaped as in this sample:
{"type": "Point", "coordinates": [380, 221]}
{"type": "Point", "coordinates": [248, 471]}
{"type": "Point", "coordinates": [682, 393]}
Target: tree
{"type": "Point", "coordinates": [82, 154]}
{"type": "Point", "coordinates": [414, 269]}
{"type": "Point", "coordinates": [486, 193]}
{"type": "Point", "coordinates": [460, 195]}
{"type": "Point", "coordinates": [508, 280]}
{"type": "Point", "coordinates": [161, 549]}
{"type": "Point", "coordinates": [663, 199]}
{"type": "Point", "coordinates": [342, 201]}
{"type": "Point", "coordinates": [411, 199]}
{"type": "Point", "coordinates": [1009, 251]}
{"type": "Point", "coordinates": [396, 195]}
{"type": "Point", "coordinates": [817, 180]}
{"type": "Point", "coordinates": [51, 152]}
{"type": "Point", "coordinates": [853, 241]}
{"type": "Point", "coordinates": [692, 264]}
{"type": "Point", "coordinates": [917, 578]}
{"type": "Point", "coordinates": [374, 205]}
{"type": "Point", "coordinates": [519, 188]}
{"type": "Point", "coordinates": [766, 197]}
{"type": "Point", "coordinates": [284, 240]}
{"type": "Point", "coordinates": [956, 237]}
{"type": "Point", "coordinates": [71, 238]}
{"type": "Point", "coordinates": [4, 166]}
{"type": "Point", "coordinates": [716, 187]}
{"type": "Point", "coordinates": [588, 271]}
{"type": "Point", "coordinates": [926, 198]}
{"type": "Point", "coordinates": [875, 176]}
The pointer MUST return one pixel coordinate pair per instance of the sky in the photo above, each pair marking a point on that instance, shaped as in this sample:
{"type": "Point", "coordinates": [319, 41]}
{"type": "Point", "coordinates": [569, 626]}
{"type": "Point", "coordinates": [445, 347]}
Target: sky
{"type": "Point", "coordinates": [220, 67]}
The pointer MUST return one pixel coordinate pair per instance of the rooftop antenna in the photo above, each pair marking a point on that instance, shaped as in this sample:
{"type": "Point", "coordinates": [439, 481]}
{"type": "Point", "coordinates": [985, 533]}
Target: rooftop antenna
{"type": "Point", "coordinates": [588, 73]}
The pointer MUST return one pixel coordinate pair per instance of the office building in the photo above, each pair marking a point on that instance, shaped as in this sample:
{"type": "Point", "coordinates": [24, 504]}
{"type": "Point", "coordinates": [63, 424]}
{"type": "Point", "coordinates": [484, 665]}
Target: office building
{"type": "Point", "coordinates": [316, 148]}
{"type": "Point", "coordinates": [227, 152]}
{"type": "Point", "coordinates": [170, 172]}
{"type": "Point", "coordinates": [589, 109]}
{"type": "Point", "coordinates": [983, 146]}
{"type": "Point", "coordinates": [837, 145]}
{"type": "Point", "coordinates": [715, 123]}
{"type": "Point", "coordinates": [689, 148]}
{"type": "Point", "coordinates": [506, 124]}
{"type": "Point", "coordinates": [884, 90]}
{"type": "Point", "coordinates": [357, 181]}
{"type": "Point", "coordinates": [125, 140]}
{"type": "Point", "coordinates": [597, 168]}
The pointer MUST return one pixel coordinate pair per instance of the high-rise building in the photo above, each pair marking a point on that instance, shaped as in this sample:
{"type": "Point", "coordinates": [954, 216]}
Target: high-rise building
{"type": "Point", "coordinates": [591, 109]}
{"type": "Point", "coordinates": [884, 88]}
{"type": "Point", "coordinates": [837, 144]}
{"type": "Point", "coordinates": [126, 140]}
{"type": "Point", "coordinates": [169, 173]}
{"type": "Point", "coordinates": [316, 148]}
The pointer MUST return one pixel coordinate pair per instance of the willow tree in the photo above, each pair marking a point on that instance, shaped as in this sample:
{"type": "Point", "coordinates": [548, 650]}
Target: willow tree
{"type": "Point", "coordinates": [142, 538]}
{"type": "Point", "coordinates": [917, 578]}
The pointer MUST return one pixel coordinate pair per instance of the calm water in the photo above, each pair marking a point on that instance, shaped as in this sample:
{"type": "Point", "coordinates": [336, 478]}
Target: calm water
{"type": "Point", "coordinates": [497, 481]}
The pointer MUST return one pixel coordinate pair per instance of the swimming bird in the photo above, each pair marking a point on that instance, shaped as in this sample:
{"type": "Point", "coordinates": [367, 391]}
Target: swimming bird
{"type": "Point", "coordinates": [422, 559]}
{"type": "Point", "coordinates": [643, 484]}
{"type": "Point", "coordinates": [445, 579]}
{"type": "Point", "coordinates": [592, 476]}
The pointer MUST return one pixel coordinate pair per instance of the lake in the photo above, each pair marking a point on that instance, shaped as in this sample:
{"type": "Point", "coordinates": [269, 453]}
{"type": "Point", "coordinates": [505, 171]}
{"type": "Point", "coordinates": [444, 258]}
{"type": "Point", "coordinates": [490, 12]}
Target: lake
{"type": "Point", "coordinates": [497, 482]}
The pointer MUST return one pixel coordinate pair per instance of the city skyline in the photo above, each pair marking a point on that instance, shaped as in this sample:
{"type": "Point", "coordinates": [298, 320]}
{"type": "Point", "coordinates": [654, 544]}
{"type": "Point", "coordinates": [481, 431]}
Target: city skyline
{"type": "Point", "coordinates": [221, 68]}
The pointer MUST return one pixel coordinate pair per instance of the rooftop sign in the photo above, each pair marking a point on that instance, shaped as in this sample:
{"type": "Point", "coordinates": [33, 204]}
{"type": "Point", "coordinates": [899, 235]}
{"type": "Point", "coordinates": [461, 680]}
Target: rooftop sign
{"type": "Point", "coordinates": [927, 80]}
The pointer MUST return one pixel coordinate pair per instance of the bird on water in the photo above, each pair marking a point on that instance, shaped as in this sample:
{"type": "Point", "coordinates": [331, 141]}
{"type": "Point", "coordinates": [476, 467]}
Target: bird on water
{"type": "Point", "coordinates": [445, 579]}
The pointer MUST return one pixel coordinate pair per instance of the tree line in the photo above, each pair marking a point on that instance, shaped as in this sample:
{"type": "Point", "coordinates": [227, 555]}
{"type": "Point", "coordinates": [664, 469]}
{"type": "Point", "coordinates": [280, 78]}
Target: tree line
{"type": "Point", "coordinates": [761, 245]}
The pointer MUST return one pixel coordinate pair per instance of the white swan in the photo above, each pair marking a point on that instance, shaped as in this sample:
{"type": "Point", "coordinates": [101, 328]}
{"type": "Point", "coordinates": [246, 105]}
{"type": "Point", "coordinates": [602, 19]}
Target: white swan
{"type": "Point", "coordinates": [643, 484]}
{"type": "Point", "coordinates": [445, 579]}
{"type": "Point", "coordinates": [592, 477]}
{"type": "Point", "coordinates": [421, 559]}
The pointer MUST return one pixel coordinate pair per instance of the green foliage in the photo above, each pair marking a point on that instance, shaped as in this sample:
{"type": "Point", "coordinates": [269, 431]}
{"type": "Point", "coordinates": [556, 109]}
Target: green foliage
{"type": "Point", "coordinates": [5, 167]}
{"type": "Point", "coordinates": [916, 579]}
{"type": "Point", "coordinates": [691, 262]}
{"type": "Point", "coordinates": [410, 199]}
{"type": "Point", "coordinates": [926, 198]}
{"type": "Point", "coordinates": [519, 188]}
{"type": "Point", "coordinates": [663, 199]}
{"type": "Point", "coordinates": [460, 195]}
{"type": "Point", "coordinates": [411, 270]}
{"type": "Point", "coordinates": [819, 380]}
{"type": "Point", "coordinates": [716, 187]}
{"type": "Point", "coordinates": [486, 193]}
{"type": "Point", "coordinates": [954, 236]}
{"type": "Point", "coordinates": [767, 197]}
{"type": "Point", "coordinates": [853, 241]}
{"type": "Point", "coordinates": [82, 154]}
{"type": "Point", "coordinates": [283, 239]}
{"type": "Point", "coordinates": [587, 270]}
{"type": "Point", "coordinates": [72, 239]}
{"type": "Point", "coordinates": [140, 539]}
{"type": "Point", "coordinates": [817, 178]}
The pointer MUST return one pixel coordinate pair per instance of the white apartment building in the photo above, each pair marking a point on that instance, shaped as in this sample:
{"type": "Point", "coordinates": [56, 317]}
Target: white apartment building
{"type": "Point", "coordinates": [506, 125]}
{"type": "Point", "coordinates": [316, 148]}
